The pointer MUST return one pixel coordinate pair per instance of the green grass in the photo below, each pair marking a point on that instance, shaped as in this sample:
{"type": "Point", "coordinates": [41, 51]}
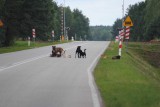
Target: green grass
{"type": "Point", "coordinates": [149, 52]}
{"type": "Point", "coordinates": [23, 45]}
{"type": "Point", "coordinates": [128, 82]}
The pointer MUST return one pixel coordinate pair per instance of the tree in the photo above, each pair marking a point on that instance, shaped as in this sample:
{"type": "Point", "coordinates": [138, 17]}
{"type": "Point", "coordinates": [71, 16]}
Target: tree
{"type": "Point", "coordinates": [11, 20]}
{"type": "Point", "coordinates": [152, 18]}
{"type": "Point", "coordinates": [136, 12]}
{"type": "Point", "coordinates": [39, 15]}
{"type": "Point", "coordinates": [117, 24]}
{"type": "Point", "coordinates": [101, 33]}
{"type": "Point", "coordinates": [80, 24]}
{"type": "Point", "coordinates": [2, 34]}
{"type": "Point", "coordinates": [21, 16]}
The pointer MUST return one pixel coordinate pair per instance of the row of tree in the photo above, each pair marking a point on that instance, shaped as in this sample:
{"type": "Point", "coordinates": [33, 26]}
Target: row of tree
{"type": "Point", "coordinates": [21, 16]}
{"type": "Point", "coordinates": [146, 19]}
{"type": "Point", "coordinates": [101, 33]}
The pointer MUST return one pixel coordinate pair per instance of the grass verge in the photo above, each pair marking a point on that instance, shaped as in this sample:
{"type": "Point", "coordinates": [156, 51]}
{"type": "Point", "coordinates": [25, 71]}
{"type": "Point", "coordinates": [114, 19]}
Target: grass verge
{"type": "Point", "coordinates": [23, 45]}
{"type": "Point", "coordinates": [128, 82]}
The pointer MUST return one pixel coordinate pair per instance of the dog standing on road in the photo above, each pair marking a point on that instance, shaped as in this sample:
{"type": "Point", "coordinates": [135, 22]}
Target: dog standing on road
{"type": "Point", "coordinates": [83, 54]}
{"type": "Point", "coordinates": [78, 51]}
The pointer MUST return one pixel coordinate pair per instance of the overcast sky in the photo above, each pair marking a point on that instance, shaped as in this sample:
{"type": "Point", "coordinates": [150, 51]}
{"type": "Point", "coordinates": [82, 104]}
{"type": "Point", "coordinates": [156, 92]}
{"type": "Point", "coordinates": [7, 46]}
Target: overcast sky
{"type": "Point", "coordinates": [100, 12]}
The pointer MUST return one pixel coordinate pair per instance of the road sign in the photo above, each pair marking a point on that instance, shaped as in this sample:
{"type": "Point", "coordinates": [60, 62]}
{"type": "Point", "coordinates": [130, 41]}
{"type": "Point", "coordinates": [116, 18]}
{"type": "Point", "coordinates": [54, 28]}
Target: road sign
{"type": "Point", "coordinates": [1, 23]}
{"type": "Point", "coordinates": [128, 22]}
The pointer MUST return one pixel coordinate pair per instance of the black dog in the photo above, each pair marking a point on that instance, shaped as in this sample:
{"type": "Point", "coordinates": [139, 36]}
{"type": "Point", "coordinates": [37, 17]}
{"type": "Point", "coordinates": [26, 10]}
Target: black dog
{"type": "Point", "coordinates": [83, 54]}
{"type": "Point", "coordinates": [116, 57]}
{"type": "Point", "coordinates": [78, 51]}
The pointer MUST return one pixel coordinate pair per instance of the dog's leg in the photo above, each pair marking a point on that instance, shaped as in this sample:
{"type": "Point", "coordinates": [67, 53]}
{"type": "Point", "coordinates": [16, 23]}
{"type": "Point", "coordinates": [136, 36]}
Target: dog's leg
{"type": "Point", "coordinates": [79, 55]}
{"type": "Point", "coordinates": [75, 54]}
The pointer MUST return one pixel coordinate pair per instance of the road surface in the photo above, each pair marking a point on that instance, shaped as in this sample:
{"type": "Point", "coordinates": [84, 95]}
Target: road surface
{"type": "Point", "coordinates": [30, 78]}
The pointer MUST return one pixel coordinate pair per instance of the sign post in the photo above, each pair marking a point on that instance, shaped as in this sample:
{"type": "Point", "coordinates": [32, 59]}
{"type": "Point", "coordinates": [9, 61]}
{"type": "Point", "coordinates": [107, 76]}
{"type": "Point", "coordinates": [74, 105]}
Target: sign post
{"type": "Point", "coordinates": [127, 23]}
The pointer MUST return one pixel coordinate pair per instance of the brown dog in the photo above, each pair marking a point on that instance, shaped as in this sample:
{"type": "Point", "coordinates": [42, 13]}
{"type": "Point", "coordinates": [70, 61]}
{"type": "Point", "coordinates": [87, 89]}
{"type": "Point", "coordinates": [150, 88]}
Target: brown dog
{"type": "Point", "coordinates": [57, 51]}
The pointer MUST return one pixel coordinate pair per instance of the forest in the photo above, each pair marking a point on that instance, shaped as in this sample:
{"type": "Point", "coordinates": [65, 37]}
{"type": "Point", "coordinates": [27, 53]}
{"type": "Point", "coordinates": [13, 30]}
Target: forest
{"type": "Point", "coordinates": [101, 33]}
{"type": "Point", "coordinates": [146, 19]}
{"type": "Point", "coordinates": [19, 17]}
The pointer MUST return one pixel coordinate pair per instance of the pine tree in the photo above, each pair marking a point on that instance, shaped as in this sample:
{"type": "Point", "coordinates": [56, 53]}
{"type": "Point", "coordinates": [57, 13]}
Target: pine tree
{"type": "Point", "coordinates": [38, 14]}
{"type": "Point", "coordinates": [11, 20]}
{"type": "Point", "coordinates": [152, 19]}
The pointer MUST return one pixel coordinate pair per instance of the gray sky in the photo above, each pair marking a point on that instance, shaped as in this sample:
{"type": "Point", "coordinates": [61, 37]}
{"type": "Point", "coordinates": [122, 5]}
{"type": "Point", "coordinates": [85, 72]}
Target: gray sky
{"type": "Point", "coordinates": [100, 12]}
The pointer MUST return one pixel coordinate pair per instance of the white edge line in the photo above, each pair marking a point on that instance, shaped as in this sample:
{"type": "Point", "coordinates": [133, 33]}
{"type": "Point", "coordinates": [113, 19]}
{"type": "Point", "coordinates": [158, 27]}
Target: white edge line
{"type": "Point", "coordinates": [95, 98]}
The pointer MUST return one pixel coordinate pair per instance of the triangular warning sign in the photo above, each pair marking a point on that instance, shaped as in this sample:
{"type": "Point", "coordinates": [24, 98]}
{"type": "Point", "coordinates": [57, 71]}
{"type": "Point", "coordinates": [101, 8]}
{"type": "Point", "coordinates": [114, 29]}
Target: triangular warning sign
{"type": "Point", "coordinates": [128, 22]}
{"type": "Point", "coordinates": [1, 23]}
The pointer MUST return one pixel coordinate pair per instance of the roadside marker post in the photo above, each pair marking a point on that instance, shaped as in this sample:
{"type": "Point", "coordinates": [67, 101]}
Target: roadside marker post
{"type": "Point", "coordinates": [127, 34]}
{"type": "Point", "coordinates": [120, 47]}
{"type": "Point", "coordinates": [52, 35]}
{"type": "Point", "coordinates": [29, 41]}
{"type": "Point", "coordinates": [34, 35]}
{"type": "Point", "coordinates": [60, 38]}
{"type": "Point", "coordinates": [121, 35]}
{"type": "Point", "coordinates": [72, 38]}
{"type": "Point", "coordinates": [116, 39]}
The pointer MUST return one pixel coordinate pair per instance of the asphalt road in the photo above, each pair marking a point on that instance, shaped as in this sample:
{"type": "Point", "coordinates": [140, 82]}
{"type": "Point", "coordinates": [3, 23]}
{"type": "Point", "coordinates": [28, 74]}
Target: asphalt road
{"type": "Point", "coordinates": [31, 78]}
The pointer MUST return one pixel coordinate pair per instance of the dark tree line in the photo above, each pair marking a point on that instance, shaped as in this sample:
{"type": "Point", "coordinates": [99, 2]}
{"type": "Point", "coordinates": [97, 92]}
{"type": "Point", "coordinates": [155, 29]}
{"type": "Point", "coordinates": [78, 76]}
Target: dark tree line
{"type": "Point", "coordinates": [21, 16]}
{"type": "Point", "coordinates": [146, 19]}
{"type": "Point", "coordinates": [101, 33]}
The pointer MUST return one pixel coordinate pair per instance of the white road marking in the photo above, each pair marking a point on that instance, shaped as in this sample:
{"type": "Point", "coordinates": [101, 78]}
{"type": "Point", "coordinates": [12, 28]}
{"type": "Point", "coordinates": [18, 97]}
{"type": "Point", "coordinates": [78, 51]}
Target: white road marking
{"type": "Point", "coordinates": [95, 98]}
{"type": "Point", "coordinates": [23, 62]}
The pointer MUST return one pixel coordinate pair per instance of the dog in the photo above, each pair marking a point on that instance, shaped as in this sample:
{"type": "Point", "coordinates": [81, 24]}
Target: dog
{"type": "Point", "coordinates": [83, 54]}
{"type": "Point", "coordinates": [78, 51]}
{"type": "Point", "coordinates": [54, 53]}
{"type": "Point", "coordinates": [116, 57]}
{"type": "Point", "coordinates": [57, 51]}
{"type": "Point", "coordinates": [65, 55]}
{"type": "Point", "coordinates": [58, 54]}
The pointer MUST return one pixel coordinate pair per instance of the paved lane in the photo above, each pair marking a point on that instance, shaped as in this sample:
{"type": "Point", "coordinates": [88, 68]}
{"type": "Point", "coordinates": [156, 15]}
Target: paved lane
{"type": "Point", "coordinates": [33, 79]}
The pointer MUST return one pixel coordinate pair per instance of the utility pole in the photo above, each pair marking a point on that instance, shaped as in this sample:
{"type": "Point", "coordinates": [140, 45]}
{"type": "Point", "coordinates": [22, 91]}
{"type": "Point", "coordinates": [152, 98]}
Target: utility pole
{"type": "Point", "coordinates": [121, 37]}
{"type": "Point", "coordinates": [64, 21]}
{"type": "Point", "coordinates": [122, 13]}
